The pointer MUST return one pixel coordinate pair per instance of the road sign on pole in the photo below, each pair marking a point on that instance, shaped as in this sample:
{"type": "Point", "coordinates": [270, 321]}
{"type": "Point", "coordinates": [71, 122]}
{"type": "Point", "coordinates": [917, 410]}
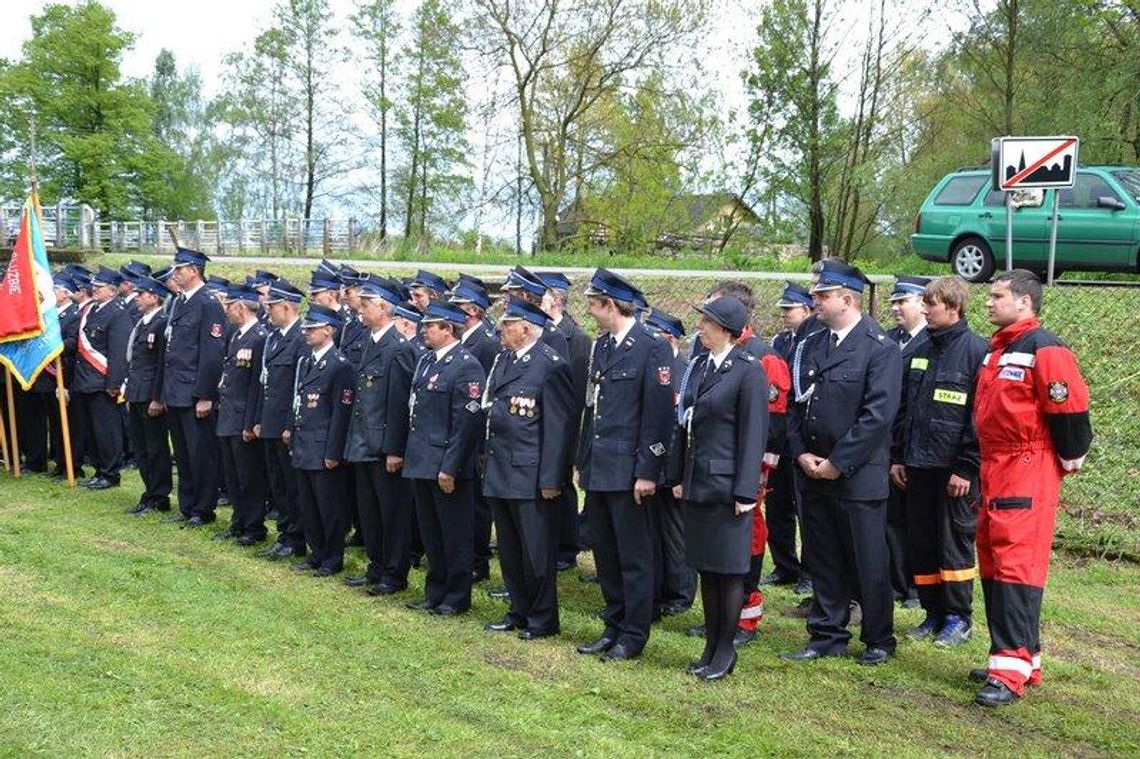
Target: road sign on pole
{"type": "Point", "coordinates": [1036, 162]}
{"type": "Point", "coordinates": [1023, 163]}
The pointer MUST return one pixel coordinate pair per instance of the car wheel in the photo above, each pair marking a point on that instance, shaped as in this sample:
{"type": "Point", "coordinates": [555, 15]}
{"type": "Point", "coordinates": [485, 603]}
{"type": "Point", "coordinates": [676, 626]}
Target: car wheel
{"type": "Point", "coordinates": [972, 260]}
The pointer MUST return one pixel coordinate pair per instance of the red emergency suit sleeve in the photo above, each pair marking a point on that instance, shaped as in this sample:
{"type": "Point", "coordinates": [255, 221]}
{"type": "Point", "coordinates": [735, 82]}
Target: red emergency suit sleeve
{"type": "Point", "coordinates": [779, 385]}
{"type": "Point", "coordinates": [1064, 403]}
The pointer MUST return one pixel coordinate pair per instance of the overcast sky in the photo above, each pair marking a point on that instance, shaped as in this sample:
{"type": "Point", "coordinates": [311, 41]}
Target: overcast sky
{"type": "Point", "coordinates": [201, 32]}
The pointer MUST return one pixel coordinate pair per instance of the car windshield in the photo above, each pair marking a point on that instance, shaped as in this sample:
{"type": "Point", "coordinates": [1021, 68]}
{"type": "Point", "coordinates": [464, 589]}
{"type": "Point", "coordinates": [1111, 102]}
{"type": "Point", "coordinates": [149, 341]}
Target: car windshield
{"type": "Point", "coordinates": [1130, 180]}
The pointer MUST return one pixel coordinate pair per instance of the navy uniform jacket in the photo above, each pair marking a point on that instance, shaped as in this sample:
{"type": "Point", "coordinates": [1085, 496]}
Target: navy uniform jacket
{"type": "Point", "coordinates": [934, 428]}
{"type": "Point", "coordinates": [446, 416]}
{"type": "Point", "coordinates": [145, 372]}
{"type": "Point", "coordinates": [579, 346]}
{"type": "Point", "coordinates": [69, 332]}
{"type": "Point", "coordinates": [239, 393]}
{"type": "Point", "coordinates": [721, 443]}
{"type": "Point", "coordinates": [107, 329]}
{"type": "Point", "coordinates": [132, 307]}
{"type": "Point", "coordinates": [350, 341]}
{"type": "Point", "coordinates": [278, 378]}
{"type": "Point", "coordinates": [529, 404]}
{"type": "Point", "coordinates": [784, 344]}
{"type": "Point", "coordinates": [848, 407]}
{"type": "Point", "coordinates": [195, 346]}
{"type": "Point", "coordinates": [483, 345]}
{"type": "Point", "coordinates": [626, 428]}
{"type": "Point", "coordinates": [322, 408]}
{"type": "Point", "coordinates": [379, 424]}
{"type": "Point", "coordinates": [913, 343]}
{"type": "Point", "coordinates": [556, 340]}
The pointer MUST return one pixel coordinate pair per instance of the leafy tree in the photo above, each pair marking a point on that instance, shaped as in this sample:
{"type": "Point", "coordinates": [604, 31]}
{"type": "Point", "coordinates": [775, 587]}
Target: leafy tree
{"type": "Point", "coordinates": [377, 26]}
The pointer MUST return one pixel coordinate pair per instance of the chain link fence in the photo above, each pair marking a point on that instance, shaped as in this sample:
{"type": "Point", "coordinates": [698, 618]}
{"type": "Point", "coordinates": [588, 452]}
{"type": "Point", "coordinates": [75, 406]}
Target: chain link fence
{"type": "Point", "coordinates": [1101, 515]}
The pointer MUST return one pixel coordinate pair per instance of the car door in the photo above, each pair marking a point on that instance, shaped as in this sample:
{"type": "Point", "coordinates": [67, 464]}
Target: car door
{"type": "Point", "coordinates": [1030, 243]}
{"type": "Point", "coordinates": [1089, 235]}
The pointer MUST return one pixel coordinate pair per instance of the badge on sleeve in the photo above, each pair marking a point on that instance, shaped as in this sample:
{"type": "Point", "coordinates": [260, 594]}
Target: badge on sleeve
{"type": "Point", "coordinates": [657, 449]}
{"type": "Point", "coordinates": [346, 397]}
{"type": "Point", "coordinates": [664, 373]}
{"type": "Point", "coordinates": [773, 393]}
{"type": "Point", "coordinates": [216, 330]}
{"type": "Point", "coordinates": [1058, 391]}
{"type": "Point", "coordinates": [474, 389]}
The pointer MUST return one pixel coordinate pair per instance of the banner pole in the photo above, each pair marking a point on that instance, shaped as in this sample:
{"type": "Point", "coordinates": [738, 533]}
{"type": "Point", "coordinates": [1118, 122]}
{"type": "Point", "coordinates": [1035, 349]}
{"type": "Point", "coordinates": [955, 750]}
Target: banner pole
{"type": "Point", "coordinates": [64, 424]}
{"type": "Point", "coordinates": [1053, 235]}
{"type": "Point", "coordinates": [12, 421]}
{"type": "Point", "coordinates": [4, 434]}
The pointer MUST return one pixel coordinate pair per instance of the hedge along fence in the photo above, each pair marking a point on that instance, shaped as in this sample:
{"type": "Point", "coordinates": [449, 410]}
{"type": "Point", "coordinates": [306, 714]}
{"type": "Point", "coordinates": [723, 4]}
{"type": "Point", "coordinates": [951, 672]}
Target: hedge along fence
{"type": "Point", "coordinates": [1101, 505]}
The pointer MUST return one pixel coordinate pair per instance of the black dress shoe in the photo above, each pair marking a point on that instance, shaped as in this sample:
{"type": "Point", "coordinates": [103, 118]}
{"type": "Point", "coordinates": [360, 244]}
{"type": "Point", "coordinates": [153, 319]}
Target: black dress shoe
{"type": "Point", "coordinates": [714, 672]}
{"type": "Point", "coordinates": [446, 610]}
{"type": "Point", "coordinates": [225, 534]}
{"type": "Point", "coordinates": [386, 589]}
{"type": "Point", "coordinates": [247, 541]}
{"type": "Point", "coordinates": [803, 587]}
{"type": "Point", "coordinates": [358, 581]}
{"type": "Point", "coordinates": [800, 610]}
{"type": "Point", "coordinates": [697, 668]}
{"type": "Point", "coordinates": [874, 656]}
{"type": "Point", "coordinates": [995, 693]}
{"type": "Point", "coordinates": [139, 508]}
{"type": "Point", "coordinates": [564, 565]}
{"type": "Point", "coordinates": [777, 578]}
{"type": "Point", "coordinates": [589, 579]}
{"type": "Point", "coordinates": [506, 624]}
{"type": "Point", "coordinates": [304, 566]}
{"type": "Point", "coordinates": [696, 631]}
{"type": "Point", "coordinates": [421, 605]}
{"type": "Point", "coordinates": [326, 572]}
{"type": "Point", "coordinates": [979, 675]}
{"type": "Point", "coordinates": [674, 608]}
{"type": "Point", "coordinates": [621, 652]}
{"type": "Point", "coordinates": [195, 522]}
{"type": "Point", "coordinates": [599, 646]}
{"type": "Point", "coordinates": [160, 505]}
{"type": "Point", "coordinates": [173, 518]}
{"type": "Point", "coordinates": [102, 484]}
{"type": "Point", "coordinates": [529, 634]}
{"type": "Point", "coordinates": [742, 638]}
{"type": "Point", "coordinates": [807, 654]}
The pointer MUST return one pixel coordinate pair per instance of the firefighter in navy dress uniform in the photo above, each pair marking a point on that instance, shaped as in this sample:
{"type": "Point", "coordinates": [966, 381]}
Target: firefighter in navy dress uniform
{"type": "Point", "coordinates": [146, 421]}
{"type": "Point", "coordinates": [239, 411]}
{"type": "Point", "coordinates": [839, 433]}
{"type": "Point", "coordinates": [322, 407]}
{"type": "Point", "coordinates": [623, 449]}
{"type": "Point", "coordinates": [279, 364]}
{"type": "Point", "coordinates": [100, 369]}
{"type": "Point", "coordinates": [444, 429]}
{"type": "Point", "coordinates": [192, 367]}
{"type": "Point", "coordinates": [717, 459]}
{"type": "Point", "coordinates": [377, 442]}
{"type": "Point", "coordinates": [528, 401]}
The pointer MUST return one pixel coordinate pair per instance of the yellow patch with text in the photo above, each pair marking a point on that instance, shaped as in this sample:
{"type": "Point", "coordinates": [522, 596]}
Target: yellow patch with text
{"type": "Point", "coordinates": [920, 363]}
{"type": "Point", "coordinates": [950, 396]}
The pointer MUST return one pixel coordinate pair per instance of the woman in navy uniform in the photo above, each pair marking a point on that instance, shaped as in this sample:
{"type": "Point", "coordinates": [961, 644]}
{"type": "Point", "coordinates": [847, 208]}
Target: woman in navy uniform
{"type": "Point", "coordinates": [377, 441]}
{"type": "Point", "coordinates": [239, 410]}
{"type": "Point", "coordinates": [529, 401]}
{"type": "Point", "coordinates": [444, 429]}
{"type": "Point", "coordinates": [322, 406]}
{"type": "Point", "coordinates": [146, 421]}
{"type": "Point", "coordinates": [720, 449]}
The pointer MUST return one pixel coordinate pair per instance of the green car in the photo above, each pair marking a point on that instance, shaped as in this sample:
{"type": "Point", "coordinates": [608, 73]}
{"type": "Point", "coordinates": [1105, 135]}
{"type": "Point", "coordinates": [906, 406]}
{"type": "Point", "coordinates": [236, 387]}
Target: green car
{"type": "Point", "coordinates": [962, 222]}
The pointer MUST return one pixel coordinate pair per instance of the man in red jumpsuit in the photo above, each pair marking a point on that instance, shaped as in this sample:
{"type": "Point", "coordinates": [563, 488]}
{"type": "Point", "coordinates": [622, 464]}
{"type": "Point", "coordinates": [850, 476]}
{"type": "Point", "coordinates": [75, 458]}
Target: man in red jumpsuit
{"type": "Point", "coordinates": [1031, 413]}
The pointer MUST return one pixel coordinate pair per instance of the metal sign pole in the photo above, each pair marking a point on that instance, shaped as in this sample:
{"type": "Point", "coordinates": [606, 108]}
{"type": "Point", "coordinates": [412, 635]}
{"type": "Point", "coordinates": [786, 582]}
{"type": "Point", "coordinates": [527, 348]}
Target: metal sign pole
{"type": "Point", "coordinates": [1008, 231]}
{"type": "Point", "coordinates": [1053, 234]}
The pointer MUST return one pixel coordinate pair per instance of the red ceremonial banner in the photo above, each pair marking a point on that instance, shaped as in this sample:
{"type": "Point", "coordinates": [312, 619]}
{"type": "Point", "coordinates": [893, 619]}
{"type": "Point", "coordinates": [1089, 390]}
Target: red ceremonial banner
{"type": "Point", "coordinates": [19, 302]}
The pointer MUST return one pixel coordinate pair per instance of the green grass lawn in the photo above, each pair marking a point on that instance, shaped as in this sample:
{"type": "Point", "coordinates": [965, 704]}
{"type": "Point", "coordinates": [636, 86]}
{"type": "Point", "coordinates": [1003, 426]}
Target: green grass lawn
{"type": "Point", "coordinates": [123, 636]}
